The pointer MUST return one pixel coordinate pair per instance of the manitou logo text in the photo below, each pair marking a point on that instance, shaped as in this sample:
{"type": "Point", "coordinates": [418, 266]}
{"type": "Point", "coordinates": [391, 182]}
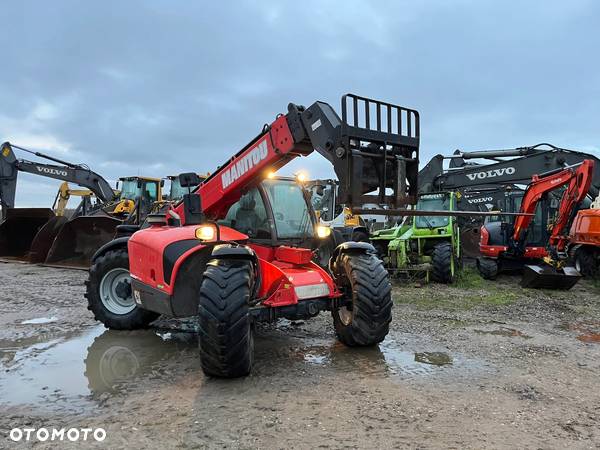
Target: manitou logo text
{"type": "Point", "coordinates": [245, 163]}
{"type": "Point", "coordinates": [51, 171]}
{"type": "Point", "coordinates": [479, 200]}
{"type": "Point", "coordinates": [491, 173]}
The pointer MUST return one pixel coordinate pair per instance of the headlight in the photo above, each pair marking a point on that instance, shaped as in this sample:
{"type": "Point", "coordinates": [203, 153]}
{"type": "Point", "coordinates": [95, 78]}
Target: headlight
{"type": "Point", "coordinates": [301, 177]}
{"type": "Point", "coordinates": [323, 231]}
{"type": "Point", "coordinates": [205, 233]}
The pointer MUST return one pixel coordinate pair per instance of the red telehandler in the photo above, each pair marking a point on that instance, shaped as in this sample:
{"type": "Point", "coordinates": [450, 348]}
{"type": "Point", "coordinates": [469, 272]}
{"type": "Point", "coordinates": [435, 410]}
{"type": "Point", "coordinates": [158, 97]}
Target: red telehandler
{"type": "Point", "coordinates": [505, 247]}
{"type": "Point", "coordinates": [243, 246]}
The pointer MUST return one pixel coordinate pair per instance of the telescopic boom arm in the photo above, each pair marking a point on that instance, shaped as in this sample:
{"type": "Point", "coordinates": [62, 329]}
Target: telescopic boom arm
{"type": "Point", "coordinates": [373, 147]}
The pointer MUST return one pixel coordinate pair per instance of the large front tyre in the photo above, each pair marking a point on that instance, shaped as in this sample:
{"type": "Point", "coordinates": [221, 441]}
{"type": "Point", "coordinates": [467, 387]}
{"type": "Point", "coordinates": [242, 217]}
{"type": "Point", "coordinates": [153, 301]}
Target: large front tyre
{"type": "Point", "coordinates": [226, 336]}
{"type": "Point", "coordinates": [109, 293]}
{"type": "Point", "coordinates": [366, 318]}
{"type": "Point", "coordinates": [444, 264]}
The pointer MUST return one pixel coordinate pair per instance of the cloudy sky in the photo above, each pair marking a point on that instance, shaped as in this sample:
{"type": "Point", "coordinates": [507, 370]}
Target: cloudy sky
{"type": "Point", "coordinates": [161, 87]}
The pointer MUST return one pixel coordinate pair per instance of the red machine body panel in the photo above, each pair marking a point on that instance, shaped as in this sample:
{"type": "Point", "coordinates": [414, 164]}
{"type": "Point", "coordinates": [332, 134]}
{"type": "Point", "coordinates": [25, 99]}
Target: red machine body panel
{"type": "Point", "coordinates": [586, 228]}
{"type": "Point", "coordinates": [146, 248]}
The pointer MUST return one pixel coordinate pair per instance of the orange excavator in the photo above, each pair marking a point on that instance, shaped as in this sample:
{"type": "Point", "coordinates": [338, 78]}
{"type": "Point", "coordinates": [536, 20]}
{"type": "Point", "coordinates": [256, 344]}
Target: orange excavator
{"type": "Point", "coordinates": [504, 245]}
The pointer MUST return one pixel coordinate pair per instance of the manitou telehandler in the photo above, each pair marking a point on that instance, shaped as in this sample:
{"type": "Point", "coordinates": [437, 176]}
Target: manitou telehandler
{"type": "Point", "coordinates": [505, 245]}
{"type": "Point", "coordinates": [243, 246]}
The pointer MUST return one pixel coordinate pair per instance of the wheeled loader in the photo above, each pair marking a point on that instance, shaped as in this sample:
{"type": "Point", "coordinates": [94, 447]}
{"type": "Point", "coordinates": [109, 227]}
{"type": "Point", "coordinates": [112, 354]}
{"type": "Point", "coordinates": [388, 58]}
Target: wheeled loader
{"type": "Point", "coordinates": [423, 245]}
{"type": "Point", "coordinates": [243, 247]}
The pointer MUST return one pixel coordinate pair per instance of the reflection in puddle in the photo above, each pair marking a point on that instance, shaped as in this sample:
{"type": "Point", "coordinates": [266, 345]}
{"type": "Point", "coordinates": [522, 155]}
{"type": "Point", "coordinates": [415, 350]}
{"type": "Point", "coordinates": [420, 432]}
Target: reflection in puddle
{"type": "Point", "coordinates": [62, 373]}
{"type": "Point", "coordinates": [434, 358]}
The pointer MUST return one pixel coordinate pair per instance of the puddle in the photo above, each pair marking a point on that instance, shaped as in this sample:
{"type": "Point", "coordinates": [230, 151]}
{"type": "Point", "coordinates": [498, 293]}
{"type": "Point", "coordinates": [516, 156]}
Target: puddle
{"type": "Point", "coordinates": [590, 330]}
{"type": "Point", "coordinates": [388, 358]}
{"type": "Point", "coordinates": [72, 371]}
{"type": "Point", "coordinates": [590, 338]}
{"type": "Point", "coordinates": [504, 331]}
{"type": "Point", "coordinates": [39, 320]}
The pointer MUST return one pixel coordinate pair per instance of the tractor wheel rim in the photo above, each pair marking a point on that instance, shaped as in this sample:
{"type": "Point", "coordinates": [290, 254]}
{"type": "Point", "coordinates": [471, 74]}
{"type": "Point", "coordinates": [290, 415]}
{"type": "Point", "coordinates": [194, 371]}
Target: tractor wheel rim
{"type": "Point", "coordinates": [111, 288]}
{"type": "Point", "coordinates": [345, 315]}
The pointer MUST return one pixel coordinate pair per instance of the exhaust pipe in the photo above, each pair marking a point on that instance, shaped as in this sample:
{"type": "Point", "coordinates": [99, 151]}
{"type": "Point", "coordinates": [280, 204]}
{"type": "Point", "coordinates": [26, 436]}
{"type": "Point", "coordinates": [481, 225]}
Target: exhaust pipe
{"type": "Point", "coordinates": [18, 230]}
{"type": "Point", "coordinates": [547, 277]}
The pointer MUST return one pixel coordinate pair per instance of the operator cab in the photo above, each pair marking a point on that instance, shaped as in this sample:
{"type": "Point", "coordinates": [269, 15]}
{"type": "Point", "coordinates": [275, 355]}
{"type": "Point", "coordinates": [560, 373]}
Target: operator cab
{"type": "Point", "coordinates": [433, 202]}
{"type": "Point", "coordinates": [275, 212]}
{"type": "Point", "coordinates": [146, 190]}
{"type": "Point", "coordinates": [134, 187]}
{"type": "Point", "coordinates": [500, 228]}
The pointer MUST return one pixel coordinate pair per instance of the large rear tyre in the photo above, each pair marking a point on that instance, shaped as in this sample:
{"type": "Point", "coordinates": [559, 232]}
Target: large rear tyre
{"type": "Point", "coordinates": [226, 336]}
{"type": "Point", "coordinates": [488, 268]}
{"type": "Point", "coordinates": [366, 319]}
{"type": "Point", "coordinates": [109, 294]}
{"type": "Point", "coordinates": [444, 264]}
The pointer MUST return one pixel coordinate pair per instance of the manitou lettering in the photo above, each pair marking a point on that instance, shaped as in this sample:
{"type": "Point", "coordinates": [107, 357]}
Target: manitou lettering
{"type": "Point", "coordinates": [491, 173]}
{"type": "Point", "coordinates": [245, 163]}
{"type": "Point", "coordinates": [51, 171]}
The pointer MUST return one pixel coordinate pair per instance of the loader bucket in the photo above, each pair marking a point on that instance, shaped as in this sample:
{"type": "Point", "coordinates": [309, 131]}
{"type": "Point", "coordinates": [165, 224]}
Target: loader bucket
{"type": "Point", "coordinates": [547, 277]}
{"type": "Point", "coordinates": [18, 230]}
{"type": "Point", "coordinates": [78, 240]}
{"type": "Point", "coordinates": [43, 240]}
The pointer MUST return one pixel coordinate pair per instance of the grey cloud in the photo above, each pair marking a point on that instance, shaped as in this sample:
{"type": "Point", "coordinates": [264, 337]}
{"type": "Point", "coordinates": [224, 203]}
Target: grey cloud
{"type": "Point", "coordinates": [162, 87]}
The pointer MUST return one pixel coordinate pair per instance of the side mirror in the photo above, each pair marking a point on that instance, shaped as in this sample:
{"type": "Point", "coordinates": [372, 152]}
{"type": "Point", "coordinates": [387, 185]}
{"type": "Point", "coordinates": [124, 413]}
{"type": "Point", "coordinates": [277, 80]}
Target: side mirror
{"type": "Point", "coordinates": [139, 184]}
{"type": "Point", "coordinates": [162, 183]}
{"type": "Point", "coordinates": [189, 179]}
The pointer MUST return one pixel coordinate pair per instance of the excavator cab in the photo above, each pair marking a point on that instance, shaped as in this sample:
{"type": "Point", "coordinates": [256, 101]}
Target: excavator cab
{"type": "Point", "coordinates": [144, 190]}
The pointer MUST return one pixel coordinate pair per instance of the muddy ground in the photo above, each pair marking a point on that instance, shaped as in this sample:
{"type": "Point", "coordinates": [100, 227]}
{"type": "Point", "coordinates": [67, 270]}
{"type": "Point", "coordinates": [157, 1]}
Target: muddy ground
{"type": "Point", "coordinates": [478, 365]}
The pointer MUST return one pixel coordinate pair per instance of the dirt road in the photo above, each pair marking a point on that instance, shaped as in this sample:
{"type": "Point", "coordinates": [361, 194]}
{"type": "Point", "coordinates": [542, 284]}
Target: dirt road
{"type": "Point", "coordinates": [478, 365]}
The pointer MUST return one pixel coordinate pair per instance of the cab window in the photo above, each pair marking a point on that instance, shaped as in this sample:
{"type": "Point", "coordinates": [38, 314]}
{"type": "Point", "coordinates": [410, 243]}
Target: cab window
{"type": "Point", "coordinates": [249, 216]}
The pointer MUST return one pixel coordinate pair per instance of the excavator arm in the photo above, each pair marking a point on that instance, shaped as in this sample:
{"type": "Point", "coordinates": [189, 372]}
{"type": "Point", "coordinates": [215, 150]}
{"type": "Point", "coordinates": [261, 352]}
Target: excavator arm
{"type": "Point", "coordinates": [373, 147]}
{"type": "Point", "coordinates": [522, 163]}
{"type": "Point", "coordinates": [78, 174]}
{"type": "Point", "coordinates": [577, 180]}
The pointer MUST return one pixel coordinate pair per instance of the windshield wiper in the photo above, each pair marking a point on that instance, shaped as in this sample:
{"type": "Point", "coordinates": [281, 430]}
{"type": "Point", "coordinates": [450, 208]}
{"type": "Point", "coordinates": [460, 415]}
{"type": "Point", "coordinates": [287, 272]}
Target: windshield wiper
{"type": "Point", "coordinates": [429, 224]}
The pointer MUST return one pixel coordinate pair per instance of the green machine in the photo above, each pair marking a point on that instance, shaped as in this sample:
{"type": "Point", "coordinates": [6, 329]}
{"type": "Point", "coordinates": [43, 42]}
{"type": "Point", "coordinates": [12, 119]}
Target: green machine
{"type": "Point", "coordinates": [428, 245]}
